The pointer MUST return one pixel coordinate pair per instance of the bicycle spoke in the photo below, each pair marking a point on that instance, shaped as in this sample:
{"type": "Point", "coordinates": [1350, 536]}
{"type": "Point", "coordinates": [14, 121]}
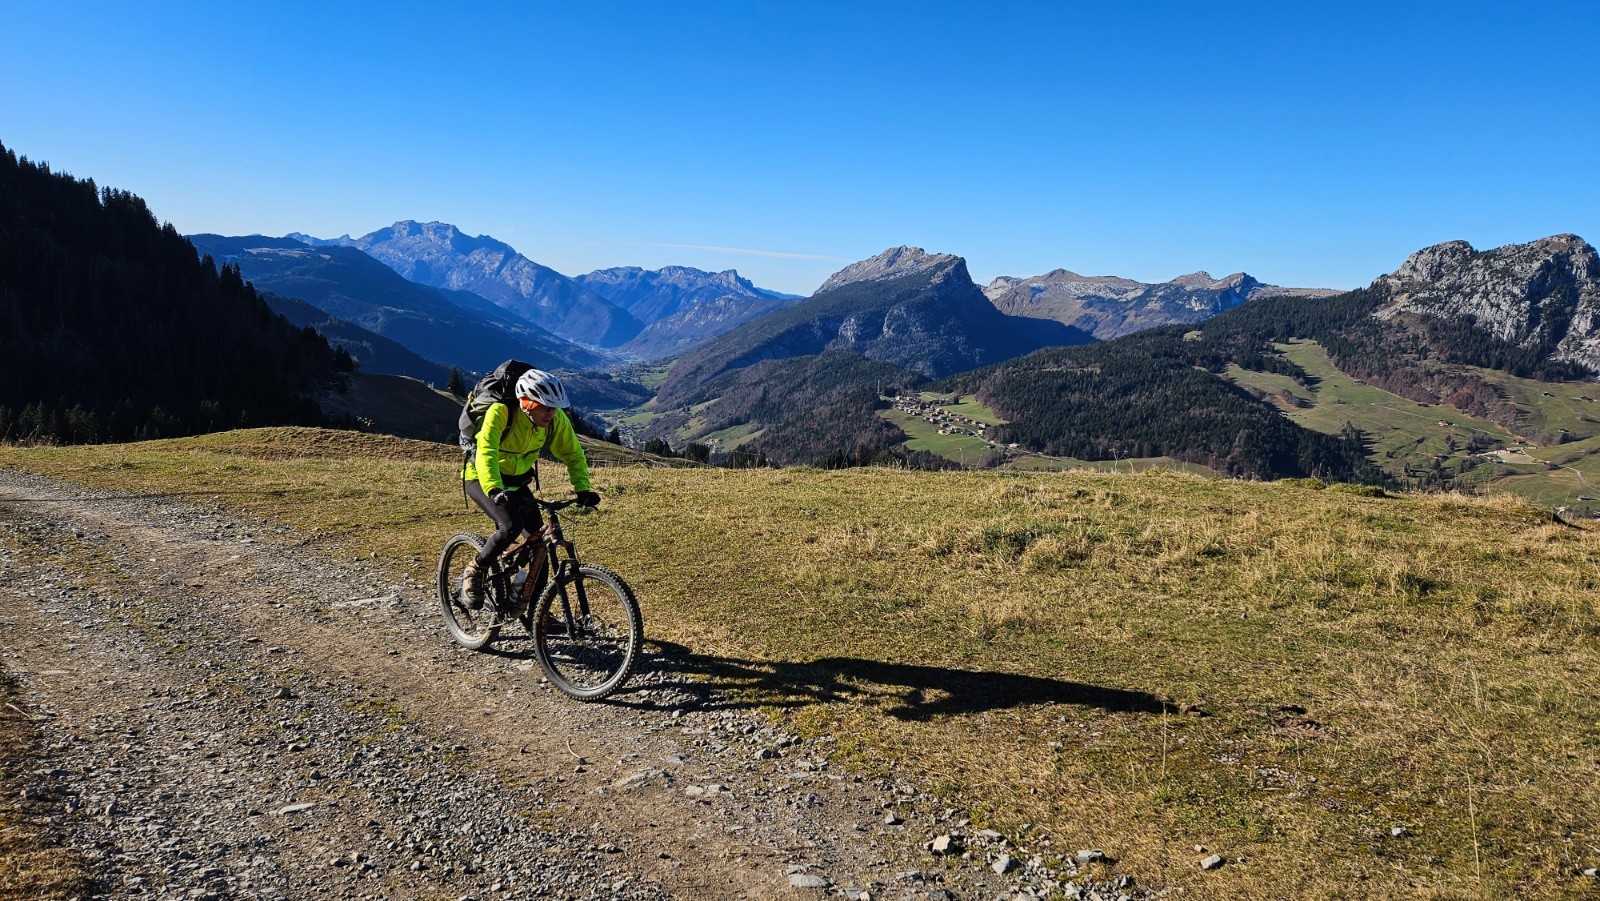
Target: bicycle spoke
{"type": "Point", "coordinates": [589, 654]}
{"type": "Point", "coordinates": [469, 628]}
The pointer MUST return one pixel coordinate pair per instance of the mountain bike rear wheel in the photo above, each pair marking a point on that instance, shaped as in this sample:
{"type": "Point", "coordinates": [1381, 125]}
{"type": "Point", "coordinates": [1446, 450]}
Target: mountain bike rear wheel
{"type": "Point", "coordinates": [472, 629]}
{"type": "Point", "coordinates": [588, 650]}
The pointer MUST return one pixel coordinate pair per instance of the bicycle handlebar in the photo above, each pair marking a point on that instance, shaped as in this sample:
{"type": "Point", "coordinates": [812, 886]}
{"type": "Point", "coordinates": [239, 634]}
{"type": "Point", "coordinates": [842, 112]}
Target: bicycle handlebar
{"type": "Point", "coordinates": [555, 505]}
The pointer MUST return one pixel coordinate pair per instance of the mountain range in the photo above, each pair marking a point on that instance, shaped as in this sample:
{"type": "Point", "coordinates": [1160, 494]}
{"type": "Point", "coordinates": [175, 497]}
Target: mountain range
{"type": "Point", "coordinates": [806, 384]}
{"type": "Point", "coordinates": [674, 311]}
{"type": "Point", "coordinates": [1216, 381]}
{"type": "Point", "coordinates": [906, 307]}
{"type": "Point", "coordinates": [348, 283]}
{"type": "Point", "coordinates": [762, 364]}
{"type": "Point", "coordinates": [1436, 332]}
{"type": "Point", "coordinates": [684, 307]}
{"type": "Point", "coordinates": [439, 255]}
{"type": "Point", "coordinates": [894, 320]}
{"type": "Point", "coordinates": [1109, 307]}
{"type": "Point", "coordinates": [631, 311]}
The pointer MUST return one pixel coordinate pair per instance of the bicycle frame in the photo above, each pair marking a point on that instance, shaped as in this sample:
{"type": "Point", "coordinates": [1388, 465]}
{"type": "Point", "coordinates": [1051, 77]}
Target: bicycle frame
{"type": "Point", "coordinates": [558, 562]}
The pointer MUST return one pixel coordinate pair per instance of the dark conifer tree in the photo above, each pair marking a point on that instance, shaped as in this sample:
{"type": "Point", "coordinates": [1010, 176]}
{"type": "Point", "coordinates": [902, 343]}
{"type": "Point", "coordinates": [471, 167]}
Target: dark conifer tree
{"type": "Point", "coordinates": [112, 328]}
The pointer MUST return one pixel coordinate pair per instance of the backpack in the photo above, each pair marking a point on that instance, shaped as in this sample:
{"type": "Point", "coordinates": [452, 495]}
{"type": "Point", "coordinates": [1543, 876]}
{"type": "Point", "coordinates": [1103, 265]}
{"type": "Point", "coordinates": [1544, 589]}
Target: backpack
{"type": "Point", "coordinates": [498, 387]}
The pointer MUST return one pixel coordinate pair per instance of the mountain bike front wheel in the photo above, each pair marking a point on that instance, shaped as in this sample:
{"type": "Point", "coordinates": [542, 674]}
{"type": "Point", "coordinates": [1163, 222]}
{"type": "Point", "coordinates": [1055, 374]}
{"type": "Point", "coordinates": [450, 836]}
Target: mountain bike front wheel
{"type": "Point", "coordinates": [472, 629]}
{"type": "Point", "coordinates": [587, 632]}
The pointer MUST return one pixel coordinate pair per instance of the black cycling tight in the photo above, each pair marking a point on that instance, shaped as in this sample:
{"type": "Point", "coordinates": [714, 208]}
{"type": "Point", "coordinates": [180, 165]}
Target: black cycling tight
{"type": "Point", "coordinates": [519, 515]}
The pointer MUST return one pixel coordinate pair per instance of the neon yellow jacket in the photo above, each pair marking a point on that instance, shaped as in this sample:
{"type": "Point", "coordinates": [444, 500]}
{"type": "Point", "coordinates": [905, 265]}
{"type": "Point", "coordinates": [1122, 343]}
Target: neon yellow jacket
{"type": "Point", "coordinates": [509, 444]}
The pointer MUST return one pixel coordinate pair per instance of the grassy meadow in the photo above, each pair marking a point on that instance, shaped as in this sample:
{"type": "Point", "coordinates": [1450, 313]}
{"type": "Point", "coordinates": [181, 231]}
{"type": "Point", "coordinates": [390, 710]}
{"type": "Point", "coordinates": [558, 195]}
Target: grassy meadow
{"type": "Point", "coordinates": [1403, 432]}
{"type": "Point", "coordinates": [1141, 663]}
{"type": "Point", "coordinates": [1408, 434]}
{"type": "Point", "coordinates": [969, 450]}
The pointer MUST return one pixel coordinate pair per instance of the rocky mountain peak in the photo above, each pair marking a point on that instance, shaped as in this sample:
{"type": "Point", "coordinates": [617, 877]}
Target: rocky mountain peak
{"type": "Point", "coordinates": [1109, 306]}
{"type": "Point", "coordinates": [1432, 262]}
{"type": "Point", "coordinates": [435, 236]}
{"type": "Point", "coordinates": [1203, 281]}
{"type": "Point", "coordinates": [896, 262]}
{"type": "Point", "coordinates": [1542, 295]}
{"type": "Point", "coordinates": [729, 279]}
{"type": "Point", "coordinates": [1443, 265]}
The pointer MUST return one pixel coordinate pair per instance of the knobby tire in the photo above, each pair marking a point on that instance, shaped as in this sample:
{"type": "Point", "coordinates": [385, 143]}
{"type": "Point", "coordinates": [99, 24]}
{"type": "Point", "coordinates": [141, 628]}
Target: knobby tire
{"type": "Point", "coordinates": [588, 658]}
{"type": "Point", "coordinates": [471, 629]}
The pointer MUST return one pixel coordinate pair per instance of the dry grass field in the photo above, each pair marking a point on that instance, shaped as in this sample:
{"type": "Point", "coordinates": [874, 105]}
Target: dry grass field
{"type": "Point", "coordinates": [1344, 695]}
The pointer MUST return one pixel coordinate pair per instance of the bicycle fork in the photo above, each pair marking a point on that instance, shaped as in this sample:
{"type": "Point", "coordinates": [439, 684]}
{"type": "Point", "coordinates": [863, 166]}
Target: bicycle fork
{"type": "Point", "coordinates": [567, 569]}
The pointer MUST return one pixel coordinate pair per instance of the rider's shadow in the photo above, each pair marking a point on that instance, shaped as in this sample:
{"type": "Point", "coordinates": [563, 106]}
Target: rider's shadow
{"type": "Point", "coordinates": [906, 691]}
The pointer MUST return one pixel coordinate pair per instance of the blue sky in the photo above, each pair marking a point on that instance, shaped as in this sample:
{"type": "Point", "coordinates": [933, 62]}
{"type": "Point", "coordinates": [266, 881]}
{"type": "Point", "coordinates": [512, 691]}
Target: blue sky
{"type": "Point", "coordinates": [1310, 145]}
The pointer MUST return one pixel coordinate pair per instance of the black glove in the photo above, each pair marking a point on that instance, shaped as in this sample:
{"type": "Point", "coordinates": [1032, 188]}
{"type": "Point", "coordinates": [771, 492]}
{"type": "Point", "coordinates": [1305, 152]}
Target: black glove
{"type": "Point", "coordinates": [499, 497]}
{"type": "Point", "coordinates": [588, 499]}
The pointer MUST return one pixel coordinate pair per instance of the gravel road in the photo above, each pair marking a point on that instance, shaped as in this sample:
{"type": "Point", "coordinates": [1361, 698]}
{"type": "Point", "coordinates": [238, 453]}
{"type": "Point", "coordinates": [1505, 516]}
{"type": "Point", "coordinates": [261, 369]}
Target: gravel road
{"type": "Point", "coordinates": [223, 712]}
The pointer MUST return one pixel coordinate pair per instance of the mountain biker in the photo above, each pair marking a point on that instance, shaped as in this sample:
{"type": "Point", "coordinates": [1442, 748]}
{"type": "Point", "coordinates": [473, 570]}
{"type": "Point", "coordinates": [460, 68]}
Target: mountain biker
{"type": "Point", "coordinates": [504, 464]}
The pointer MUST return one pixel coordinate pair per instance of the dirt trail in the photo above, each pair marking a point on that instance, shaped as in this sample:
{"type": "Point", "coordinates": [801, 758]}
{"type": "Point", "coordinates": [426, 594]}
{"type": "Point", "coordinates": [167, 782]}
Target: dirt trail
{"type": "Point", "coordinates": [223, 713]}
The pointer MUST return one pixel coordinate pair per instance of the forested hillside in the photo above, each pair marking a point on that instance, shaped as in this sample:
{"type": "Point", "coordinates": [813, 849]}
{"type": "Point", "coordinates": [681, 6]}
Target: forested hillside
{"type": "Point", "coordinates": [1158, 393]}
{"type": "Point", "coordinates": [811, 410]}
{"type": "Point", "coordinates": [372, 352]}
{"type": "Point", "coordinates": [113, 329]}
{"type": "Point", "coordinates": [1148, 399]}
{"type": "Point", "coordinates": [934, 321]}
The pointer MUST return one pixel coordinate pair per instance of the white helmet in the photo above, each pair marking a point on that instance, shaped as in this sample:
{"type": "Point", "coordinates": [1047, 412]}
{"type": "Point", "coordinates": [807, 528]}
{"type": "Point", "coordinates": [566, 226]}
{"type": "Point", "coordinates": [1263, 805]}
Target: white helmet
{"type": "Point", "coordinates": [542, 388]}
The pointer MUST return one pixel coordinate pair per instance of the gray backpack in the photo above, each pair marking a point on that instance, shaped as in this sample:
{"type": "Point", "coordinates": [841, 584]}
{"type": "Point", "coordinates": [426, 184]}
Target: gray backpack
{"type": "Point", "coordinates": [498, 387]}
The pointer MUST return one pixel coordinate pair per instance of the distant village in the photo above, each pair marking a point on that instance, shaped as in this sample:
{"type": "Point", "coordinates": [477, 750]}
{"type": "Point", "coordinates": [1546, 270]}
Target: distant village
{"type": "Point", "coordinates": [948, 423]}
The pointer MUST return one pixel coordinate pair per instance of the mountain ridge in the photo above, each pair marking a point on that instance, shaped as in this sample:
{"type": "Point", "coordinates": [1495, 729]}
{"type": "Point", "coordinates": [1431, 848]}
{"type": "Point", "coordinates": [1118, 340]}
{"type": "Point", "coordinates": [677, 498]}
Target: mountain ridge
{"type": "Point", "coordinates": [440, 255]}
{"type": "Point", "coordinates": [896, 262]}
{"type": "Point", "coordinates": [926, 316]}
{"type": "Point", "coordinates": [682, 306]}
{"type": "Point", "coordinates": [346, 282]}
{"type": "Point", "coordinates": [1542, 296]}
{"type": "Point", "coordinates": [373, 353]}
{"type": "Point", "coordinates": [1111, 306]}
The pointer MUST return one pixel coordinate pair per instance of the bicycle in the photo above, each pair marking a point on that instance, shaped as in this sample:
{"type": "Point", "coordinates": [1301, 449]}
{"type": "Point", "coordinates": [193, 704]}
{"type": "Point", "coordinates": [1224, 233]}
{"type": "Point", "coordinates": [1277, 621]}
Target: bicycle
{"type": "Point", "coordinates": [583, 618]}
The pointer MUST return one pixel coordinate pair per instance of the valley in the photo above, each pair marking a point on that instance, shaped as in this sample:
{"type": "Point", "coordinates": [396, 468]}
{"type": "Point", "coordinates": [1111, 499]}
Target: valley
{"type": "Point", "coordinates": [1058, 452]}
{"type": "Point", "coordinates": [1473, 388]}
{"type": "Point", "coordinates": [720, 394]}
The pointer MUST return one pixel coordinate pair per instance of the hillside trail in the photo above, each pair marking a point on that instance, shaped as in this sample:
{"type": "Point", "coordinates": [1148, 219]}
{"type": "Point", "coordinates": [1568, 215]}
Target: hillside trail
{"type": "Point", "coordinates": [222, 711]}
